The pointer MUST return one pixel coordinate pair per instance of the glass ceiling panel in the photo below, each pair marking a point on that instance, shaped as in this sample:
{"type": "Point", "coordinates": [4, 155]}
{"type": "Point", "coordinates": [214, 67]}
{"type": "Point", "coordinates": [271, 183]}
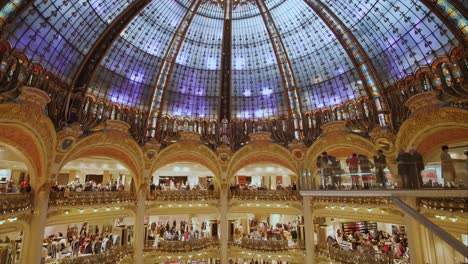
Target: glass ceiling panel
{"type": "Point", "coordinates": [127, 75]}
{"type": "Point", "coordinates": [257, 86]}
{"type": "Point", "coordinates": [195, 81]}
{"type": "Point", "coordinates": [58, 34]}
{"type": "Point", "coordinates": [318, 60]}
{"type": "Point", "coordinates": [399, 36]}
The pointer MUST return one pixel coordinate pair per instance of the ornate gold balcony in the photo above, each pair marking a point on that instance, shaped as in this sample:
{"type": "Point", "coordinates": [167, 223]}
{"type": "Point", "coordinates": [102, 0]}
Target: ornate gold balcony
{"type": "Point", "coordinates": [270, 245]}
{"type": "Point", "coordinates": [190, 195]}
{"type": "Point", "coordinates": [181, 246]}
{"type": "Point", "coordinates": [445, 204]}
{"type": "Point", "coordinates": [15, 202]}
{"type": "Point", "coordinates": [89, 198]}
{"type": "Point", "coordinates": [327, 200]}
{"type": "Point", "coordinates": [265, 195]}
{"type": "Point", "coordinates": [351, 256]}
{"type": "Point", "coordinates": [111, 256]}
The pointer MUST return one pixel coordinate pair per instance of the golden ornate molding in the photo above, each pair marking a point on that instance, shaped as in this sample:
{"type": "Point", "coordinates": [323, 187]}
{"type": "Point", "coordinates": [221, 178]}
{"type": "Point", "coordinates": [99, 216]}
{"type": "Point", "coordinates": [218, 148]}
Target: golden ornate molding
{"type": "Point", "coordinates": [416, 129]}
{"type": "Point", "coordinates": [117, 126]}
{"type": "Point", "coordinates": [260, 136]}
{"type": "Point", "coordinates": [33, 97]}
{"type": "Point", "coordinates": [189, 136]}
{"type": "Point", "coordinates": [423, 103]}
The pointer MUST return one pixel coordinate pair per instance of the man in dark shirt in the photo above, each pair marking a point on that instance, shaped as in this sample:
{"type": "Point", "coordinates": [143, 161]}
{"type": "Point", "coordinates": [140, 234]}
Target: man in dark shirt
{"type": "Point", "coordinates": [417, 166]}
{"type": "Point", "coordinates": [403, 162]}
{"type": "Point", "coordinates": [380, 162]}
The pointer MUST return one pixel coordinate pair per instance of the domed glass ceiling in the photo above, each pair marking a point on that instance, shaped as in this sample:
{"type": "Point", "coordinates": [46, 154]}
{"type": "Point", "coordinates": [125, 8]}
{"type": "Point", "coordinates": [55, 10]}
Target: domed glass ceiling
{"type": "Point", "coordinates": [399, 36]}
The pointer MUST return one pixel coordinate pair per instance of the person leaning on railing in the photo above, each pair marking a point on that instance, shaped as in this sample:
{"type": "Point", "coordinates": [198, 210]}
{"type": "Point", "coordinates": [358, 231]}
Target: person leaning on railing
{"type": "Point", "coordinates": [403, 164]}
{"type": "Point", "coordinates": [416, 167]}
{"type": "Point", "coordinates": [448, 169]}
{"type": "Point", "coordinates": [365, 165]}
{"type": "Point", "coordinates": [380, 162]}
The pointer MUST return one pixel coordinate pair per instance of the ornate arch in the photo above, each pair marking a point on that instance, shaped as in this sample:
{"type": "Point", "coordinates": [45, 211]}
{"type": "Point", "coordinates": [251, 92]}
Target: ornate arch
{"type": "Point", "coordinates": [328, 143]}
{"type": "Point", "coordinates": [107, 144]}
{"type": "Point", "coordinates": [188, 152]}
{"type": "Point", "coordinates": [261, 152]}
{"type": "Point", "coordinates": [418, 129]}
{"type": "Point", "coordinates": [30, 134]}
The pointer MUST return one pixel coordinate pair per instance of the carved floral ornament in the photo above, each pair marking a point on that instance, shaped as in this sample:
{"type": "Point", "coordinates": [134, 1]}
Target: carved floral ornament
{"type": "Point", "coordinates": [28, 115]}
{"type": "Point", "coordinates": [415, 130]}
{"type": "Point", "coordinates": [261, 151]}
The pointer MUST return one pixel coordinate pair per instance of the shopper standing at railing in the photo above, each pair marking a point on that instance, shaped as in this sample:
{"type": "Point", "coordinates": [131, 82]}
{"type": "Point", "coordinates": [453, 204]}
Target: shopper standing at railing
{"type": "Point", "coordinates": [416, 167]}
{"type": "Point", "coordinates": [329, 164]}
{"type": "Point", "coordinates": [380, 162]}
{"type": "Point", "coordinates": [353, 165]}
{"type": "Point", "coordinates": [365, 165]}
{"type": "Point", "coordinates": [403, 161]}
{"type": "Point", "coordinates": [448, 170]}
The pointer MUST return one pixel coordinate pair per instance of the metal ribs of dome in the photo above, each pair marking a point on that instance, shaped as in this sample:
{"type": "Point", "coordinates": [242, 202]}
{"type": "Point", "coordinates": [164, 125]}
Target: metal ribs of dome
{"type": "Point", "coordinates": [397, 36]}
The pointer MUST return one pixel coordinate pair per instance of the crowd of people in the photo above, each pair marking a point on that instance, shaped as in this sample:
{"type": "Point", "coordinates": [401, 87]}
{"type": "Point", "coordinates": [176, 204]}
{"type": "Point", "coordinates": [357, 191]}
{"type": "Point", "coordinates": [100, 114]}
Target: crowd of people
{"type": "Point", "coordinates": [180, 186]}
{"type": "Point", "coordinates": [263, 230]}
{"type": "Point", "coordinates": [410, 165]}
{"type": "Point", "coordinates": [366, 174]}
{"type": "Point", "coordinates": [372, 242]}
{"type": "Point", "coordinates": [239, 187]}
{"type": "Point", "coordinates": [90, 186]}
{"type": "Point", "coordinates": [184, 231]}
{"type": "Point", "coordinates": [331, 173]}
{"type": "Point", "coordinates": [10, 187]}
{"type": "Point", "coordinates": [76, 243]}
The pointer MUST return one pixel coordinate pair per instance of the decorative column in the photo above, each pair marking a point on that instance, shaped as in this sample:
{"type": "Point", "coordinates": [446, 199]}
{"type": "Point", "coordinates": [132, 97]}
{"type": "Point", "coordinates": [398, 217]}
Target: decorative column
{"type": "Point", "coordinates": [309, 230]}
{"type": "Point", "coordinates": [36, 100]}
{"type": "Point", "coordinates": [224, 228]}
{"type": "Point", "coordinates": [32, 247]}
{"type": "Point", "coordinates": [139, 228]}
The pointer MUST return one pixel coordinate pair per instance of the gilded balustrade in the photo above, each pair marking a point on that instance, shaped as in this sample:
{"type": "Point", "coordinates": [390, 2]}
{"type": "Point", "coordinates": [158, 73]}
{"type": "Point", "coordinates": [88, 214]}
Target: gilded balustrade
{"type": "Point", "coordinates": [181, 246]}
{"type": "Point", "coordinates": [270, 245]}
{"type": "Point", "coordinates": [445, 204]}
{"type": "Point", "coordinates": [89, 198]}
{"type": "Point", "coordinates": [351, 256]}
{"type": "Point", "coordinates": [111, 256]}
{"type": "Point", "coordinates": [188, 195]}
{"type": "Point", "coordinates": [351, 200]}
{"type": "Point", "coordinates": [14, 202]}
{"type": "Point", "coordinates": [265, 195]}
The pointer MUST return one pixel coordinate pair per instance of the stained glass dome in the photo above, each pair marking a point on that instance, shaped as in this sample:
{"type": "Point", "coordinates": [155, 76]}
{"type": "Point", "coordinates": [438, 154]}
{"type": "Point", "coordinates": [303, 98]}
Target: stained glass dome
{"type": "Point", "coordinates": [397, 37]}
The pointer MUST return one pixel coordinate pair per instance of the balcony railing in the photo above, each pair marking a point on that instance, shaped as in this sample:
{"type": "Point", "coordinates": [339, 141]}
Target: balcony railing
{"type": "Point", "coordinates": [352, 256]}
{"type": "Point", "coordinates": [14, 202]}
{"type": "Point", "coordinates": [181, 246]}
{"type": "Point", "coordinates": [266, 195]}
{"type": "Point", "coordinates": [408, 177]}
{"type": "Point", "coordinates": [190, 195]}
{"type": "Point", "coordinates": [270, 245]}
{"type": "Point", "coordinates": [89, 198]}
{"type": "Point", "coordinates": [111, 256]}
{"type": "Point", "coordinates": [445, 204]}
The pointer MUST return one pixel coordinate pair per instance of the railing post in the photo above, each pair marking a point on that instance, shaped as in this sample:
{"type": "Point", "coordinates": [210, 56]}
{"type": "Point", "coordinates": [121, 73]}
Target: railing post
{"type": "Point", "coordinates": [309, 230]}
{"type": "Point", "coordinates": [139, 231]}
